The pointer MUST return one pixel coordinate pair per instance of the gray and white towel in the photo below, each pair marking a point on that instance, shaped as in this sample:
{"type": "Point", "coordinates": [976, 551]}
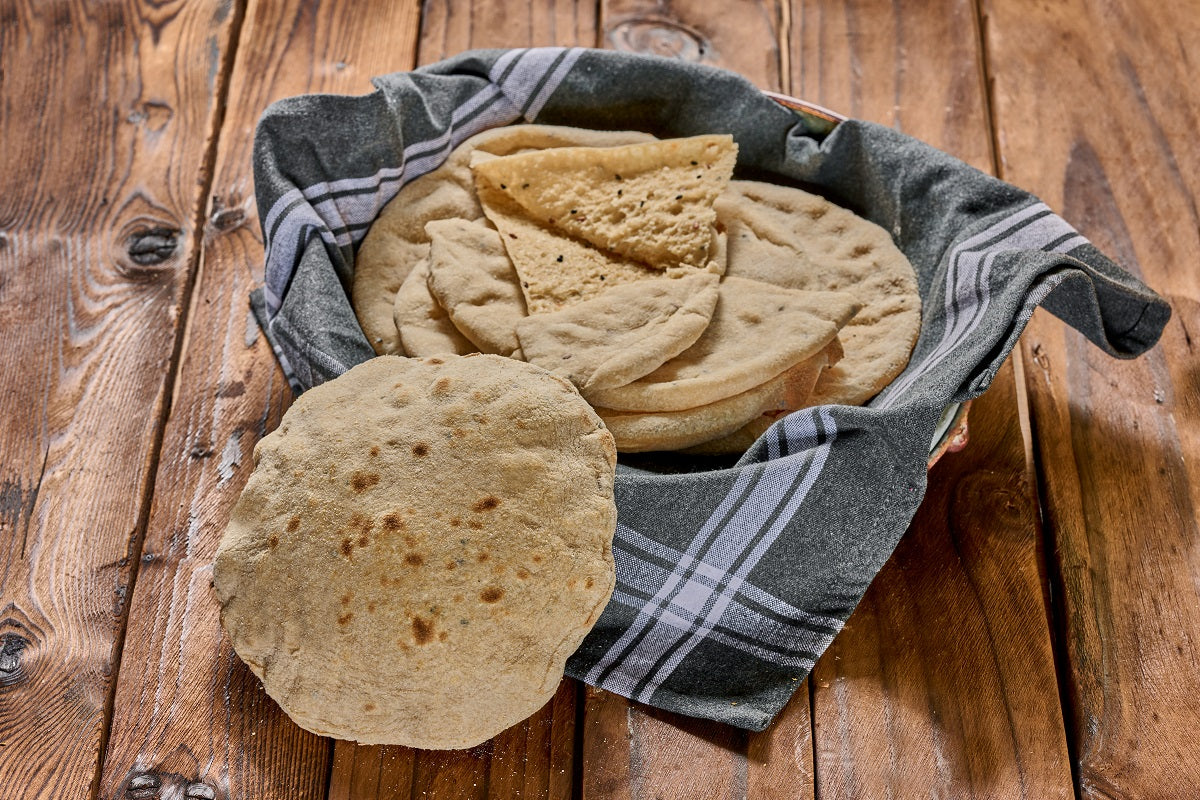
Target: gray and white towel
{"type": "Point", "coordinates": [731, 581]}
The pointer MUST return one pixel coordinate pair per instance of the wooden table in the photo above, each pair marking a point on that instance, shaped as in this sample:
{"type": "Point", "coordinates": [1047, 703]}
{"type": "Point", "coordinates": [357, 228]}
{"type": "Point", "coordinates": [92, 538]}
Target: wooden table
{"type": "Point", "coordinates": [1036, 634]}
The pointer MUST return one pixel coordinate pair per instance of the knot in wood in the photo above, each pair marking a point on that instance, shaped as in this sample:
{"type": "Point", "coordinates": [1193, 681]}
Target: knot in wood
{"type": "Point", "coordinates": [143, 787]}
{"type": "Point", "coordinates": [227, 214]}
{"type": "Point", "coordinates": [658, 36]}
{"type": "Point", "coordinates": [199, 791]}
{"type": "Point", "coordinates": [11, 647]}
{"type": "Point", "coordinates": [153, 247]}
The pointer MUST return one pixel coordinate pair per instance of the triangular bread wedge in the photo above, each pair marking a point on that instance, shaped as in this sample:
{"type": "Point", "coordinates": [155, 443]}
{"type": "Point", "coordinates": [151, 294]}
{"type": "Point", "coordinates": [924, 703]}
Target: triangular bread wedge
{"type": "Point", "coordinates": [757, 332]}
{"type": "Point", "coordinates": [622, 334]}
{"type": "Point", "coordinates": [555, 270]}
{"type": "Point", "coordinates": [650, 202]}
{"type": "Point", "coordinates": [471, 277]}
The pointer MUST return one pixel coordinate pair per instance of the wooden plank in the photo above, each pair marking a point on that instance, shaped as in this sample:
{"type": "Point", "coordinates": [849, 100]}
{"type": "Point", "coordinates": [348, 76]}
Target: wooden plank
{"type": "Point", "coordinates": [535, 758]}
{"type": "Point", "coordinates": [107, 119]}
{"type": "Point", "coordinates": [942, 683]}
{"type": "Point", "coordinates": [629, 750]}
{"type": "Point", "coordinates": [188, 713]}
{"type": "Point", "coordinates": [744, 36]}
{"type": "Point", "coordinates": [1096, 109]}
{"type": "Point", "coordinates": [914, 68]}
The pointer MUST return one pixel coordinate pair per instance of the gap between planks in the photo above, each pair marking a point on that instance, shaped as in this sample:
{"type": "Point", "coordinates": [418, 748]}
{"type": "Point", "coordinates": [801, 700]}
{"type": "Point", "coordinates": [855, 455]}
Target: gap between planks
{"type": "Point", "coordinates": [170, 379]}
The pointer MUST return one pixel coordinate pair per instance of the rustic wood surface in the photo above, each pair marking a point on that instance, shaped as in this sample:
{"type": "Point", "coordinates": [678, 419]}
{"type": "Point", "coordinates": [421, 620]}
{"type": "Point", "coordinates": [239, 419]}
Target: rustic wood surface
{"type": "Point", "coordinates": [108, 127]}
{"type": "Point", "coordinates": [1035, 634]}
{"type": "Point", "coordinates": [1118, 444]}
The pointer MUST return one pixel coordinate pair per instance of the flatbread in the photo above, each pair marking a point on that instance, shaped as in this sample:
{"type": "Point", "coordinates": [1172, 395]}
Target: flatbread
{"type": "Point", "coordinates": [424, 327]}
{"type": "Point", "coordinates": [420, 547]}
{"type": "Point", "coordinates": [622, 334]}
{"type": "Point", "coordinates": [757, 332]}
{"type": "Point", "coordinates": [396, 240]}
{"type": "Point", "coordinates": [556, 271]}
{"type": "Point", "coordinates": [675, 430]}
{"type": "Point", "coordinates": [803, 386]}
{"type": "Point", "coordinates": [651, 202]}
{"type": "Point", "coordinates": [471, 277]}
{"type": "Point", "coordinates": [790, 238]}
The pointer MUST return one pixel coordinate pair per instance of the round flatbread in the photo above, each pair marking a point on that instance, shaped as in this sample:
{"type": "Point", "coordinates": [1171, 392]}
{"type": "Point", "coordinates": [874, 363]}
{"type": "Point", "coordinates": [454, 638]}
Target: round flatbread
{"type": "Point", "coordinates": [676, 430]}
{"type": "Point", "coordinates": [790, 238]}
{"type": "Point", "coordinates": [421, 545]}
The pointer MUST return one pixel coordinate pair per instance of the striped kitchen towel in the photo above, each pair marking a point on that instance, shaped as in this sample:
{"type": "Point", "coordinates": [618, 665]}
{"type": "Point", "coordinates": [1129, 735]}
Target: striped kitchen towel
{"type": "Point", "coordinates": [731, 581]}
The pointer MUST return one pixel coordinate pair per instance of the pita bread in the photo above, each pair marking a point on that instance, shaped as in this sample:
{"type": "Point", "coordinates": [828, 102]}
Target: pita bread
{"type": "Point", "coordinates": [804, 384]}
{"type": "Point", "coordinates": [675, 430]}
{"type": "Point", "coordinates": [420, 547]}
{"type": "Point", "coordinates": [651, 202]}
{"type": "Point", "coordinates": [423, 325]}
{"type": "Point", "coordinates": [471, 277]}
{"type": "Point", "coordinates": [790, 238]}
{"type": "Point", "coordinates": [396, 240]}
{"type": "Point", "coordinates": [757, 332]}
{"type": "Point", "coordinates": [622, 334]}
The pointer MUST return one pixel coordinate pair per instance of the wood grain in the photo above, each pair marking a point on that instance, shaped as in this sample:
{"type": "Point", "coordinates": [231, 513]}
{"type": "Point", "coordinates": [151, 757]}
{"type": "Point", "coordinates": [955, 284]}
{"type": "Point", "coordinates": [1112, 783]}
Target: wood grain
{"type": "Point", "coordinates": [1096, 109]}
{"type": "Point", "coordinates": [745, 36]}
{"type": "Point", "coordinates": [534, 759]}
{"type": "Point", "coordinates": [107, 115]}
{"type": "Point", "coordinates": [916, 68]}
{"type": "Point", "coordinates": [188, 713]}
{"type": "Point", "coordinates": [942, 683]}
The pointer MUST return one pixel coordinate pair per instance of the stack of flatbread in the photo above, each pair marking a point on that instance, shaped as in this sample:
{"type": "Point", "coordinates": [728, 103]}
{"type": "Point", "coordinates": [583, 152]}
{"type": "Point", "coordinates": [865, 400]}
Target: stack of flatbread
{"type": "Point", "coordinates": [689, 309]}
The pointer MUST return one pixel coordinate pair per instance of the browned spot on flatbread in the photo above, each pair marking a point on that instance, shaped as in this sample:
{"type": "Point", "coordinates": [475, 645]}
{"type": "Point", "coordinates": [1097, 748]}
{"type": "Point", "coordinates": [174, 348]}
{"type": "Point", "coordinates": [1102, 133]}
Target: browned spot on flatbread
{"type": "Point", "coordinates": [485, 503]}
{"type": "Point", "coordinates": [420, 450]}
{"type": "Point", "coordinates": [293, 524]}
{"type": "Point", "coordinates": [347, 547]}
{"type": "Point", "coordinates": [455, 522]}
{"type": "Point", "coordinates": [491, 594]}
{"type": "Point", "coordinates": [443, 636]}
{"type": "Point", "coordinates": [273, 541]}
{"type": "Point", "coordinates": [484, 556]}
{"type": "Point", "coordinates": [589, 583]}
{"type": "Point", "coordinates": [537, 559]}
{"type": "Point", "coordinates": [347, 597]}
{"type": "Point", "coordinates": [442, 386]}
{"type": "Point", "coordinates": [361, 481]}
{"type": "Point", "coordinates": [371, 608]}
{"type": "Point", "coordinates": [422, 630]}
{"type": "Point", "coordinates": [414, 559]}
{"type": "Point", "coordinates": [368, 706]}
{"type": "Point", "coordinates": [474, 524]}
{"type": "Point", "coordinates": [450, 563]}
{"type": "Point", "coordinates": [860, 251]}
{"type": "Point", "coordinates": [522, 573]}
{"type": "Point", "coordinates": [393, 522]}
{"type": "Point", "coordinates": [434, 361]}
{"type": "Point", "coordinates": [344, 619]}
